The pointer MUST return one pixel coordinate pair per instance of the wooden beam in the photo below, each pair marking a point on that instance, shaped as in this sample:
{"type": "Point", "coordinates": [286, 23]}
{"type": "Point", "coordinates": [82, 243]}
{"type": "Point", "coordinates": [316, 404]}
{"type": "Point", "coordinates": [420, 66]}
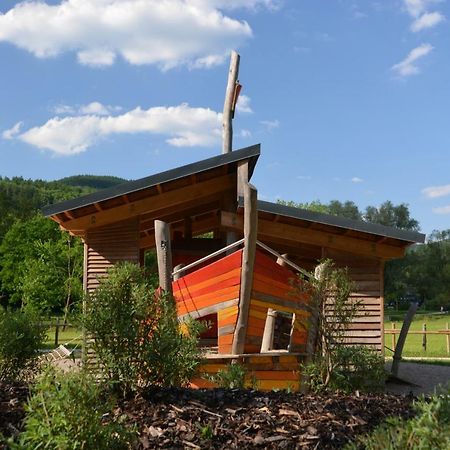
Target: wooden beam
{"type": "Point", "coordinates": [269, 329]}
{"type": "Point", "coordinates": [227, 116]}
{"type": "Point", "coordinates": [248, 261]}
{"type": "Point", "coordinates": [190, 208]}
{"type": "Point", "coordinates": [198, 227]}
{"type": "Point", "coordinates": [164, 255]}
{"type": "Point", "coordinates": [171, 198]}
{"type": "Point", "coordinates": [291, 233]}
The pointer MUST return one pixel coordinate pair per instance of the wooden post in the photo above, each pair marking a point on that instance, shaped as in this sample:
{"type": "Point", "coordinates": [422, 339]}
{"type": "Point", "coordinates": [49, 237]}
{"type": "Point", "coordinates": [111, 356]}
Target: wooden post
{"type": "Point", "coordinates": [269, 328]}
{"type": "Point", "coordinates": [448, 339]}
{"type": "Point", "coordinates": [402, 338]}
{"type": "Point", "coordinates": [57, 332]}
{"type": "Point", "coordinates": [424, 337]}
{"type": "Point", "coordinates": [248, 261]}
{"type": "Point", "coordinates": [228, 105]}
{"type": "Point", "coordinates": [393, 336]}
{"type": "Point", "coordinates": [164, 255]}
{"type": "Point", "coordinates": [291, 337]}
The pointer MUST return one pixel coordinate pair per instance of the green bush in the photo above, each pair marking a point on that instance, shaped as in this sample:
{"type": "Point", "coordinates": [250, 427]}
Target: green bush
{"type": "Point", "coordinates": [233, 377]}
{"type": "Point", "coordinates": [20, 340]}
{"type": "Point", "coordinates": [331, 363]}
{"type": "Point", "coordinates": [138, 339]}
{"type": "Point", "coordinates": [428, 430]}
{"type": "Point", "coordinates": [68, 412]}
{"type": "Point", "coordinates": [359, 368]}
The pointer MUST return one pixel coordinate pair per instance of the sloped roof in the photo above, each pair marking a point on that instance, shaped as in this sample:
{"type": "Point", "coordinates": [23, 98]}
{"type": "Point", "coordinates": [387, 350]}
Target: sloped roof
{"type": "Point", "coordinates": [340, 222]}
{"type": "Point", "coordinates": [251, 153]}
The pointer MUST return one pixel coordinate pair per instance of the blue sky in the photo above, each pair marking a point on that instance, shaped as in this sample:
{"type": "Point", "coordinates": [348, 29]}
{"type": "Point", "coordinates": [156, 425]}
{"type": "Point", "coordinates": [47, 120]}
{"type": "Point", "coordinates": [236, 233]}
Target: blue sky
{"type": "Point", "coordinates": [349, 99]}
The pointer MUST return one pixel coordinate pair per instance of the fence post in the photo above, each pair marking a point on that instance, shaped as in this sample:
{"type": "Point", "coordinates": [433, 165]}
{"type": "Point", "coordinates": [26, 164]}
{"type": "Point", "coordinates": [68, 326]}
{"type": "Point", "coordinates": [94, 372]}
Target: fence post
{"type": "Point", "coordinates": [393, 336]}
{"type": "Point", "coordinates": [57, 332]}
{"type": "Point", "coordinates": [424, 337]}
{"type": "Point", "coordinates": [448, 339]}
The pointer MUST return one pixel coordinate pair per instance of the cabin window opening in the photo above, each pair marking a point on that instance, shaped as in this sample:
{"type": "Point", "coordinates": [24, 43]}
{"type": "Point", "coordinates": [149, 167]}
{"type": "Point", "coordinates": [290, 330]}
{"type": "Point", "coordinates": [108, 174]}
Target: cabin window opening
{"type": "Point", "coordinates": [208, 339]}
{"type": "Point", "coordinates": [282, 330]}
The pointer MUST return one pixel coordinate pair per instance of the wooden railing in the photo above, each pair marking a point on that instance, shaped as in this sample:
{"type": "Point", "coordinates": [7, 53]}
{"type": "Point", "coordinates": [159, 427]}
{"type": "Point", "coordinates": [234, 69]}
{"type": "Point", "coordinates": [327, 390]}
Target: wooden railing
{"type": "Point", "coordinates": [394, 332]}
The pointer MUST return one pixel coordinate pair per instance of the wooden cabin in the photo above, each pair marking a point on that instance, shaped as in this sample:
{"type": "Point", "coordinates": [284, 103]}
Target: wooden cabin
{"type": "Point", "coordinates": [238, 276]}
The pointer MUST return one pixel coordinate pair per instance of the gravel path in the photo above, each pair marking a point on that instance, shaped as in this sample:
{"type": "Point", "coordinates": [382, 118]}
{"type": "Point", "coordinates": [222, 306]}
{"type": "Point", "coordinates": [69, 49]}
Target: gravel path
{"type": "Point", "coordinates": [424, 378]}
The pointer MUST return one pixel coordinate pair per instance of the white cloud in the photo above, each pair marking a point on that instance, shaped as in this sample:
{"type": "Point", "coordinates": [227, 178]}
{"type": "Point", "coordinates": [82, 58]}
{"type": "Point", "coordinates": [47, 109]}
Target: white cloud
{"type": "Point", "coordinates": [98, 109]}
{"type": "Point", "coordinates": [64, 109]}
{"type": "Point", "coordinates": [184, 127]}
{"type": "Point", "coordinates": [407, 67]}
{"type": "Point", "coordinates": [245, 133]}
{"type": "Point", "coordinates": [436, 191]}
{"type": "Point", "coordinates": [168, 33]}
{"type": "Point", "coordinates": [243, 104]}
{"type": "Point", "coordinates": [304, 177]}
{"type": "Point", "coordinates": [270, 124]}
{"type": "Point", "coordinates": [356, 180]}
{"type": "Point", "coordinates": [417, 7]}
{"type": "Point", "coordinates": [427, 20]}
{"type": "Point", "coordinates": [442, 210]}
{"type": "Point", "coordinates": [12, 132]}
{"type": "Point", "coordinates": [95, 108]}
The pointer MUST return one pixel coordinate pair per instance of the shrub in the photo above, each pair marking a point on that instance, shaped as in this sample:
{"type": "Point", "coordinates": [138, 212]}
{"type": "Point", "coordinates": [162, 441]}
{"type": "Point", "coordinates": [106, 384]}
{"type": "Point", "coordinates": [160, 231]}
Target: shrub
{"type": "Point", "coordinates": [333, 364]}
{"type": "Point", "coordinates": [429, 430]}
{"type": "Point", "coordinates": [21, 336]}
{"type": "Point", "coordinates": [233, 377]}
{"type": "Point", "coordinates": [66, 412]}
{"type": "Point", "coordinates": [138, 340]}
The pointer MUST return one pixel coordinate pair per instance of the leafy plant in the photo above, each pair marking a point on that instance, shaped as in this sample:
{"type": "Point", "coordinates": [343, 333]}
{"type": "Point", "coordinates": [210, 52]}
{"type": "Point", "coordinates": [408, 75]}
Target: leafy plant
{"type": "Point", "coordinates": [21, 337]}
{"type": "Point", "coordinates": [428, 430]}
{"type": "Point", "coordinates": [332, 363]}
{"type": "Point", "coordinates": [233, 377]}
{"type": "Point", "coordinates": [138, 340]}
{"type": "Point", "coordinates": [68, 412]}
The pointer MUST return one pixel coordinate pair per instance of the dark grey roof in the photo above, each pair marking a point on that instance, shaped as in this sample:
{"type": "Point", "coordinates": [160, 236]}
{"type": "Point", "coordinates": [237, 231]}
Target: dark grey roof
{"type": "Point", "coordinates": [342, 222]}
{"type": "Point", "coordinates": [251, 153]}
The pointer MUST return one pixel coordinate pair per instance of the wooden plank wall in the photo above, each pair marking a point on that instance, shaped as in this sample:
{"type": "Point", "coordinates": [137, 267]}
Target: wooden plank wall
{"type": "Point", "coordinates": [367, 275]}
{"type": "Point", "coordinates": [271, 289]}
{"type": "Point", "coordinates": [264, 372]}
{"type": "Point", "coordinates": [212, 289]}
{"type": "Point", "coordinates": [107, 246]}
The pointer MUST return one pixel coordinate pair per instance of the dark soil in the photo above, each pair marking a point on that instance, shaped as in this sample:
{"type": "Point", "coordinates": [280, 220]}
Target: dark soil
{"type": "Point", "coordinates": [223, 419]}
{"type": "Point", "coordinates": [12, 398]}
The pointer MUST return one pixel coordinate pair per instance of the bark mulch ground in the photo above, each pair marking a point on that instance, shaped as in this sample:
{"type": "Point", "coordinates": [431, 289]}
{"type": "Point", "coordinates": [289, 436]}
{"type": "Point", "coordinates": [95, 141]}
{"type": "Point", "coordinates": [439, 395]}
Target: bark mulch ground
{"type": "Point", "coordinates": [12, 398]}
{"type": "Point", "coordinates": [223, 419]}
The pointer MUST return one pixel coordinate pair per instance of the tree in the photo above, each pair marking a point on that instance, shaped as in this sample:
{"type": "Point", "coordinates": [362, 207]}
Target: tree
{"type": "Point", "coordinates": [390, 215]}
{"type": "Point", "coordinates": [40, 266]}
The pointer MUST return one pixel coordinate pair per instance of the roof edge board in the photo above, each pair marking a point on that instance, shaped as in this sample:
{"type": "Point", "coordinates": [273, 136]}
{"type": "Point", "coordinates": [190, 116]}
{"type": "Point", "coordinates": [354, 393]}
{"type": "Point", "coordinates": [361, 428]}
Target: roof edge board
{"type": "Point", "coordinates": [341, 222]}
{"type": "Point", "coordinates": [251, 152]}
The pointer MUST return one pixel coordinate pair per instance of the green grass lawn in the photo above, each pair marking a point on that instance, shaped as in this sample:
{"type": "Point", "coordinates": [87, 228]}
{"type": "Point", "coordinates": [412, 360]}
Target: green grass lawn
{"type": "Point", "coordinates": [436, 344]}
{"type": "Point", "coordinates": [70, 336]}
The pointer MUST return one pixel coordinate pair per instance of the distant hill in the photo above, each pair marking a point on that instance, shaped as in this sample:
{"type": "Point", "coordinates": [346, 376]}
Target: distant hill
{"type": "Point", "coordinates": [22, 199]}
{"type": "Point", "coordinates": [92, 181]}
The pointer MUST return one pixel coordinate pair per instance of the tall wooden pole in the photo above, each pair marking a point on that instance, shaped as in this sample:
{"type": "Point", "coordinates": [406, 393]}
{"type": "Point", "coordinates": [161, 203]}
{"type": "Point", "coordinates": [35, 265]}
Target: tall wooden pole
{"type": "Point", "coordinates": [248, 262]}
{"type": "Point", "coordinates": [164, 255]}
{"type": "Point", "coordinates": [227, 118]}
{"type": "Point", "coordinates": [398, 349]}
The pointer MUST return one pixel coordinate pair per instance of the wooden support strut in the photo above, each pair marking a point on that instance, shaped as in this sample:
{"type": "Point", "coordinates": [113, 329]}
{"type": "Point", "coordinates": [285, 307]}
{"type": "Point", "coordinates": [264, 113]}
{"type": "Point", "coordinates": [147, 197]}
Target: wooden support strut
{"type": "Point", "coordinates": [164, 255]}
{"type": "Point", "coordinates": [228, 105]}
{"type": "Point", "coordinates": [248, 262]}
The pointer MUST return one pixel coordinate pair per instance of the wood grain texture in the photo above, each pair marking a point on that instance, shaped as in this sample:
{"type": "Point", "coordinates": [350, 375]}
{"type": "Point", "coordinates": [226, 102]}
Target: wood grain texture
{"type": "Point", "coordinates": [105, 247]}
